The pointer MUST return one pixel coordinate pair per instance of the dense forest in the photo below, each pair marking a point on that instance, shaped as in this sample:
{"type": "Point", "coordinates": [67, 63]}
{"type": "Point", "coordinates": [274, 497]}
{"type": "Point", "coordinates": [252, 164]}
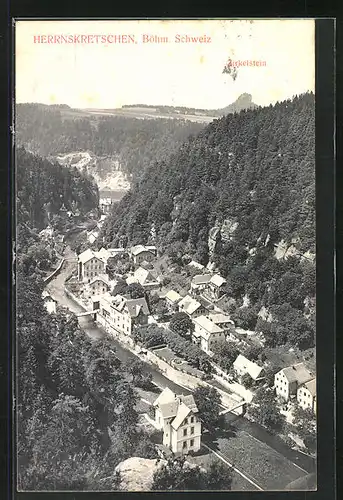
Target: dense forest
{"type": "Point", "coordinates": [244, 184]}
{"type": "Point", "coordinates": [49, 131]}
{"type": "Point", "coordinates": [42, 187]}
{"type": "Point", "coordinates": [75, 402]}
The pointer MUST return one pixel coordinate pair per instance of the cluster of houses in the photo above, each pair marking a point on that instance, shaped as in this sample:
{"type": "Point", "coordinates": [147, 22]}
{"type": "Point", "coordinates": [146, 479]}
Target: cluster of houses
{"type": "Point", "coordinates": [211, 327]}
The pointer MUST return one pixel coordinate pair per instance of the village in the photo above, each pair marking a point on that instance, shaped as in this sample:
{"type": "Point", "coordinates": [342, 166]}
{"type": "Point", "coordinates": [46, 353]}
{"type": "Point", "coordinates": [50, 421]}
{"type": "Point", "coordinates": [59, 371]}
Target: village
{"type": "Point", "coordinates": [130, 295]}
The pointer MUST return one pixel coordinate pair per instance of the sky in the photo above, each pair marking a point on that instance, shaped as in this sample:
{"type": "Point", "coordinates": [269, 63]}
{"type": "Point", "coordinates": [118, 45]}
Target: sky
{"type": "Point", "coordinates": [109, 75]}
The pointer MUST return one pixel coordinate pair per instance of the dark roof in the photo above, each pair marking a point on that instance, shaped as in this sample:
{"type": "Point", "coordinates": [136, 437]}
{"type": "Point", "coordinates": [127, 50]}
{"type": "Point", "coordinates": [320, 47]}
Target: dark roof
{"type": "Point", "coordinates": [135, 306]}
{"type": "Point", "coordinates": [297, 373]}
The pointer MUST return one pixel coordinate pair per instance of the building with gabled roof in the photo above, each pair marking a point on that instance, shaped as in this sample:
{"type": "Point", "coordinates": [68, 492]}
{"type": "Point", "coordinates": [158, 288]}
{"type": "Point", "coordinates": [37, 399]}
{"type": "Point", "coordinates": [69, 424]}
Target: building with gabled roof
{"type": "Point", "coordinates": [145, 278]}
{"type": "Point", "coordinates": [97, 286]}
{"type": "Point", "coordinates": [307, 395]}
{"type": "Point", "coordinates": [199, 282]}
{"type": "Point", "coordinates": [172, 299]}
{"type": "Point", "coordinates": [207, 334]}
{"type": "Point", "coordinates": [216, 285]}
{"type": "Point", "coordinates": [191, 307]}
{"type": "Point", "coordinates": [120, 313]}
{"type": "Point", "coordinates": [222, 320]}
{"type": "Point", "coordinates": [177, 417]}
{"type": "Point", "coordinates": [287, 380]}
{"type": "Point", "coordinates": [243, 366]}
{"type": "Point", "coordinates": [140, 253]}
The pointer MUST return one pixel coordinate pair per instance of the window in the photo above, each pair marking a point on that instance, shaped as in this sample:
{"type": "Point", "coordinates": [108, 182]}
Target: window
{"type": "Point", "coordinates": [185, 432]}
{"type": "Point", "coordinates": [184, 444]}
{"type": "Point", "coordinates": [192, 430]}
{"type": "Point", "coordinates": [192, 420]}
{"type": "Point", "coordinates": [191, 443]}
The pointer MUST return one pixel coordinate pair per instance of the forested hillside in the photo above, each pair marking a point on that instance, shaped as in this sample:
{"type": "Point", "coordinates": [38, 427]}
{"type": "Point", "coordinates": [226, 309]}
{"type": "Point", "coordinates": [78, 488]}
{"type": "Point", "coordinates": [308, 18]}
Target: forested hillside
{"type": "Point", "coordinates": [229, 195]}
{"type": "Point", "coordinates": [42, 187]}
{"type": "Point", "coordinates": [50, 131]}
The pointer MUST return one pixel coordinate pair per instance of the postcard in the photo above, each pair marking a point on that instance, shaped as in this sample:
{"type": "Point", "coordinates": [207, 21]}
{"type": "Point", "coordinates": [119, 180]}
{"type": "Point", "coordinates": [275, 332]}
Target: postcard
{"type": "Point", "coordinates": [165, 255]}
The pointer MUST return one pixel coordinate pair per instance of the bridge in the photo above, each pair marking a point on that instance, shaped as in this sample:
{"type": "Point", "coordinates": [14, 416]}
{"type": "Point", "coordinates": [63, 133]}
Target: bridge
{"type": "Point", "coordinates": [88, 313]}
{"type": "Point", "coordinates": [227, 410]}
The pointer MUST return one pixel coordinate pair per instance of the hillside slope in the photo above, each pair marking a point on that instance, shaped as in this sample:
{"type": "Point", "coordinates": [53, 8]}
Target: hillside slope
{"type": "Point", "coordinates": [42, 187]}
{"type": "Point", "coordinates": [230, 195]}
{"type": "Point", "coordinates": [52, 131]}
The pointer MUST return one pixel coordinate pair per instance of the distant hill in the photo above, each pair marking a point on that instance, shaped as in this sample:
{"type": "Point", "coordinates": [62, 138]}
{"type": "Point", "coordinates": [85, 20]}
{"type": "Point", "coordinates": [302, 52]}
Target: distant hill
{"type": "Point", "coordinates": [244, 101]}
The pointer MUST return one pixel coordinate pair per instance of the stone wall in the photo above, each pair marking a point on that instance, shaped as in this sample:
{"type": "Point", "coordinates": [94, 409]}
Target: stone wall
{"type": "Point", "coordinates": [57, 270]}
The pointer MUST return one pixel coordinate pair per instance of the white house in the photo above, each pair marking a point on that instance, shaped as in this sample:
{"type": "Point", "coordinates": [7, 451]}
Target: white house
{"type": "Point", "coordinates": [307, 395]}
{"type": "Point", "coordinates": [207, 334]}
{"type": "Point", "coordinates": [145, 278]}
{"type": "Point", "coordinates": [49, 302]}
{"type": "Point", "coordinates": [177, 417]}
{"type": "Point", "coordinates": [90, 264]}
{"type": "Point", "coordinates": [287, 380]}
{"type": "Point", "coordinates": [172, 299]}
{"type": "Point", "coordinates": [243, 366]}
{"type": "Point", "coordinates": [215, 285]}
{"type": "Point", "coordinates": [199, 282]}
{"type": "Point", "coordinates": [121, 314]}
{"type": "Point", "coordinates": [223, 321]}
{"type": "Point", "coordinates": [191, 307]}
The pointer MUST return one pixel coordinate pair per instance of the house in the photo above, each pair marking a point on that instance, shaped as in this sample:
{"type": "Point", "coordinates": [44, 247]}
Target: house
{"type": "Point", "coordinates": [97, 286]}
{"type": "Point", "coordinates": [195, 264]}
{"type": "Point", "coordinates": [191, 307]}
{"type": "Point", "coordinates": [243, 366]}
{"type": "Point", "coordinates": [139, 253]}
{"type": "Point", "coordinates": [307, 395]}
{"type": "Point", "coordinates": [92, 236]}
{"type": "Point", "coordinates": [215, 286]}
{"type": "Point", "coordinates": [120, 313]}
{"type": "Point", "coordinates": [207, 334]}
{"type": "Point", "coordinates": [49, 302]}
{"type": "Point", "coordinates": [199, 282]}
{"type": "Point", "coordinates": [90, 265]}
{"type": "Point", "coordinates": [144, 278]}
{"type": "Point", "coordinates": [287, 380]}
{"type": "Point", "coordinates": [105, 205]}
{"type": "Point", "coordinates": [223, 321]}
{"type": "Point", "coordinates": [177, 417]}
{"type": "Point", "coordinates": [172, 299]}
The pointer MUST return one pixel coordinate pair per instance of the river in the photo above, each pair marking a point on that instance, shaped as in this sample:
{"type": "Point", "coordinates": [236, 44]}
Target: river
{"type": "Point", "coordinates": [95, 332]}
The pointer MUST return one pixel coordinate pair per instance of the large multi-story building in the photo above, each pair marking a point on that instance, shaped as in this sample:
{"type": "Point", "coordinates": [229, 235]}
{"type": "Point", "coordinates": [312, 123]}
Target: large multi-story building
{"type": "Point", "coordinates": [207, 334]}
{"type": "Point", "coordinates": [90, 264]}
{"type": "Point", "coordinates": [288, 380]}
{"type": "Point", "coordinates": [120, 313]}
{"type": "Point", "coordinates": [177, 417]}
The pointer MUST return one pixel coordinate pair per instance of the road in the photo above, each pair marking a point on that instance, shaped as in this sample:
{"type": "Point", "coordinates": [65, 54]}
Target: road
{"type": "Point", "coordinates": [299, 463]}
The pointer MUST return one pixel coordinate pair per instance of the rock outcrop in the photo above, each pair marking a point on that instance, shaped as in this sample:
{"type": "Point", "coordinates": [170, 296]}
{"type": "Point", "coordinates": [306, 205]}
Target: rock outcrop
{"type": "Point", "coordinates": [137, 473]}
